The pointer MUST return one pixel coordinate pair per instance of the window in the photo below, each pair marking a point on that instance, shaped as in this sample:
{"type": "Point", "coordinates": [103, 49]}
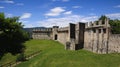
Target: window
{"type": "Point", "coordinates": [99, 30]}
{"type": "Point", "coordinates": [94, 31]}
{"type": "Point", "coordinates": [104, 30]}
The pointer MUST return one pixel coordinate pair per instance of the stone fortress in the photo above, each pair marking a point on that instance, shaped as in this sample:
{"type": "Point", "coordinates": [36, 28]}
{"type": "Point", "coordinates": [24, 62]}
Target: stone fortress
{"type": "Point", "coordinates": [93, 36]}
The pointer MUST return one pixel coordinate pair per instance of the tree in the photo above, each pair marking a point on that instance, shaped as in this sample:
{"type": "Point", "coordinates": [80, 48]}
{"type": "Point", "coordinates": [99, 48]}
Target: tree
{"type": "Point", "coordinates": [12, 35]}
{"type": "Point", "coordinates": [115, 26]}
{"type": "Point", "coordinates": [103, 17]}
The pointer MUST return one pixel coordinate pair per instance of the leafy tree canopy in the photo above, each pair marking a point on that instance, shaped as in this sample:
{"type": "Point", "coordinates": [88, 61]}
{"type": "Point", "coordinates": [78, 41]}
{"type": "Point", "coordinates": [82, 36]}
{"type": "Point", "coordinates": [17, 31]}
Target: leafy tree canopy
{"type": "Point", "coordinates": [103, 17]}
{"type": "Point", "coordinates": [12, 35]}
{"type": "Point", "coordinates": [115, 26]}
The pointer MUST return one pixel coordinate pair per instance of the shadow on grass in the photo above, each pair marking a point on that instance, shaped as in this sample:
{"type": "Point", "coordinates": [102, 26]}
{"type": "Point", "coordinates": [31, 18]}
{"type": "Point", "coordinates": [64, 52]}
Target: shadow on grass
{"type": "Point", "coordinates": [9, 45]}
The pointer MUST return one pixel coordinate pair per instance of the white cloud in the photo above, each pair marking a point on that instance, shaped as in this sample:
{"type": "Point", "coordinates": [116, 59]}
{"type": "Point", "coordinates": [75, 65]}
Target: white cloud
{"type": "Point", "coordinates": [118, 6]}
{"type": "Point", "coordinates": [89, 18]}
{"type": "Point", "coordinates": [2, 7]}
{"type": "Point", "coordinates": [114, 15]}
{"type": "Point", "coordinates": [64, 21]}
{"type": "Point", "coordinates": [20, 4]}
{"type": "Point", "coordinates": [28, 25]}
{"type": "Point", "coordinates": [24, 21]}
{"type": "Point", "coordinates": [55, 11]}
{"type": "Point", "coordinates": [54, 21]}
{"type": "Point", "coordinates": [68, 12]}
{"type": "Point", "coordinates": [7, 1]}
{"type": "Point", "coordinates": [25, 16]}
{"type": "Point", "coordinates": [76, 7]}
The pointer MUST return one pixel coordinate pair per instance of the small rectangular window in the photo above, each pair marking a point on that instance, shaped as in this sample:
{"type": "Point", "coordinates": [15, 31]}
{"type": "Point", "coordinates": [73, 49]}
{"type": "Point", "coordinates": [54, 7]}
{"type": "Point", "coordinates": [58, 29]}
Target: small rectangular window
{"type": "Point", "coordinates": [94, 30]}
{"type": "Point", "coordinates": [99, 30]}
{"type": "Point", "coordinates": [104, 30]}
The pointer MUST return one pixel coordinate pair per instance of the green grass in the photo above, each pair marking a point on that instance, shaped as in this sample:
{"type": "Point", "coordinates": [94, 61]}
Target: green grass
{"type": "Point", "coordinates": [54, 55]}
{"type": "Point", "coordinates": [7, 58]}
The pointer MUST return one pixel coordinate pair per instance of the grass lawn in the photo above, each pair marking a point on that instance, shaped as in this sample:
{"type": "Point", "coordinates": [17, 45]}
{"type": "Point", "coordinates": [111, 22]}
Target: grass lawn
{"type": "Point", "coordinates": [54, 55]}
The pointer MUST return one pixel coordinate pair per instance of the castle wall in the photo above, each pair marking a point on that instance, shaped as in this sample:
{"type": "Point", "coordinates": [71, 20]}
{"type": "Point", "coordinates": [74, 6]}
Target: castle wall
{"type": "Point", "coordinates": [96, 37]}
{"type": "Point", "coordinates": [41, 36]}
{"type": "Point", "coordinates": [75, 36]}
{"type": "Point", "coordinates": [42, 33]}
{"type": "Point", "coordinates": [63, 35]}
{"type": "Point", "coordinates": [114, 43]}
{"type": "Point", "coordinates": [79, 35]}
{"type": "Point", "coordinates": [87, 40]}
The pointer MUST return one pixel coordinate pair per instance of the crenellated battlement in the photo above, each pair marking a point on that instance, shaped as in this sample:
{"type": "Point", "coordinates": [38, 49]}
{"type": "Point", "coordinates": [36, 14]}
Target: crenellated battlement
{"type": "Point", "coordinates": [42, 30]}
{"type": "Point", "coordinates": [97, 24]}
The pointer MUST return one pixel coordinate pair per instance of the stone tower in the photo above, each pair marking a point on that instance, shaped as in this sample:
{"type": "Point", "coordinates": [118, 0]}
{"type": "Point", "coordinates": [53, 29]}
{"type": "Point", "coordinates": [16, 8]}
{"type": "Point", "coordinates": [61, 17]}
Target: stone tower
{"type": "Point", "coordinates": [76, 32]}
{"type": "Point", "coordinates": [96, 36]}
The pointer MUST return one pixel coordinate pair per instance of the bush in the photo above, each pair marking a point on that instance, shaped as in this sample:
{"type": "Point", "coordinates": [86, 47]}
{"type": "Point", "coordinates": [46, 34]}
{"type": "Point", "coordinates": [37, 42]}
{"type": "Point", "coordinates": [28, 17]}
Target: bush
{"type": "Point", "coordinates": [21, 57]}
{"type": "Point", "coordinates": [115, 26]}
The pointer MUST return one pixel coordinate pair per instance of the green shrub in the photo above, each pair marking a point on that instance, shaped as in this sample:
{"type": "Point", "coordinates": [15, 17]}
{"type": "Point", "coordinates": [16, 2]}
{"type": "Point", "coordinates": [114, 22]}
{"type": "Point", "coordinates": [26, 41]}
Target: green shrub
{"type": "Point", "coordinates": [115, 26]}
{"type": "Point", "coordinates": [21, 57]}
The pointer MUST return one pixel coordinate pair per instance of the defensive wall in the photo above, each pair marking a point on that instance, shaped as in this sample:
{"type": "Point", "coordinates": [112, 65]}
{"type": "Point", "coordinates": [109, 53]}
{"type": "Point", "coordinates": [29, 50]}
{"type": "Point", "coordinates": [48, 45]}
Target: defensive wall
{"type": "Point", "coordinates": [93, 36]}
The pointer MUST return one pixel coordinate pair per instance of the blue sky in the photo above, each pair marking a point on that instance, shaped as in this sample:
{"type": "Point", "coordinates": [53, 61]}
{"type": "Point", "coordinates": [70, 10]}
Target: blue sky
{"type": "Point", "coordinates": [36, 13]}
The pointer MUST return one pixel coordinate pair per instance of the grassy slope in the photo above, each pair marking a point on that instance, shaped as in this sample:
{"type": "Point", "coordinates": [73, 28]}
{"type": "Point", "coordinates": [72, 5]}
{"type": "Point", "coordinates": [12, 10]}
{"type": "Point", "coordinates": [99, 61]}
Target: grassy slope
{"type": "Point", "coordinates": [7, 58]}
{"type": "Point", "coordinates": [54, 55]}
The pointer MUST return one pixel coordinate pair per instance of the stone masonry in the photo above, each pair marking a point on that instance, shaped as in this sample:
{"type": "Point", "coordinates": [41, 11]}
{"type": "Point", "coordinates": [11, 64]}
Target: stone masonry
{"type": "Point", "coordinates": [92, 36]}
